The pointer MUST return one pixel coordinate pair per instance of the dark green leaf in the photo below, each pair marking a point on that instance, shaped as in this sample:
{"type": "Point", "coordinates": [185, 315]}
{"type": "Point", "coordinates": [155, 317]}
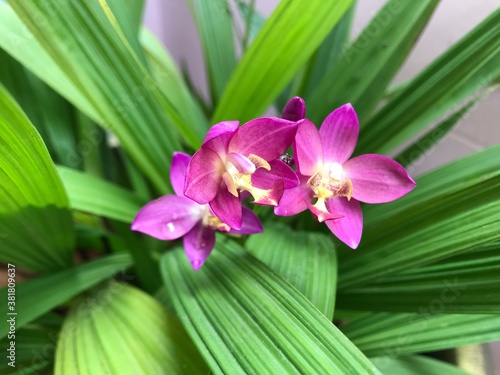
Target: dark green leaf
{"type": "Point", "coordinates": [37, 296]}
{"type": "Point", "coordinates": [369, 64]}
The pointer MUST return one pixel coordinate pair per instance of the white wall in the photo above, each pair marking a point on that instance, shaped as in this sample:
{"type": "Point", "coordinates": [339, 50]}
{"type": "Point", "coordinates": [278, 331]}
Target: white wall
{"type": "Point", "coordinates": [171, 21]}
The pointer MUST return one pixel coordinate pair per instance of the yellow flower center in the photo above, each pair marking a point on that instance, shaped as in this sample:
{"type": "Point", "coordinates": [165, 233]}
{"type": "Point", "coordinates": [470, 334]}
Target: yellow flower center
{"type": "Point", "coordinates": [236, 180]}
{"type": "Point", "coordinates": [329, 182]}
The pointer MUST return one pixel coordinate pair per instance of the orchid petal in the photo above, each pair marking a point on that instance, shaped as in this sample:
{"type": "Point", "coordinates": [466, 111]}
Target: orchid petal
{"type": "Point", "coordinates": [250, 223]}
{"type": "Point", "coordinates": [180, 162]}
{"type": "Point", "coordinates": [264, 179]}
{"type": "Point", "coordinates": [268, 197]}
{"type": "Point", "coordinates": [339, 134]}
{"type": "Point", "coordinates": [219, 136]}
{"type": "Point", "coordinates": [294, 201]}
{"type": "Point", "coordinates": [168, 217]}
{"type": "Point", "coordinates": [266, 137]}
{"type": "Point", "coordinates": [348, 229]}
{"type": "Point", "coordinates": [307, 148]}
{"type": "Point", "coordinates": [227, 207]}
{"type": "Point", "coordinates": [377, 178]}
{"type": "Point", "coordinates": [203, 177]}
{"type": "Point", "coordinates": [198, 245]}
{"type": "Point", "coordinates": [242, 164]}
{"type": "Point", "coordinates": [294, 110]}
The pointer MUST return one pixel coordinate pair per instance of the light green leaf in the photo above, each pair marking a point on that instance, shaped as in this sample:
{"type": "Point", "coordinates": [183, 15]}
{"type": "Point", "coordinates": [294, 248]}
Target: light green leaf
{"type": "Point", "coordinates": [213, 19]}
{"type": "Point", "coordinates": [472, 63]}
{"type": "Point", "coordinates": [466, 283]}
{"type": "Point", "coordinates": [384, 334]}
{"type": "Point", "coordinates": [415, 365]}
{"type": "Point", "coordinates": [35, 224]}
{"type": "Point", "coordinates": [368, 65]}
{"type": "Point", "coordinates": [453, 209]}
{"type": "Point", "coordinates": [37, 296]}
{"type": "Point", "coordinates": [246, 319]}
{"type": "Point", "coordinates": [306, 260]}
{"type": "Point", "coordinates": [289, 37]}
{"type": "Point", "coordinates": [101, 335]}
{"type": "Point", "coordinates": [99, 197]}
{"type": "Point", "coordinates": [79, 37]}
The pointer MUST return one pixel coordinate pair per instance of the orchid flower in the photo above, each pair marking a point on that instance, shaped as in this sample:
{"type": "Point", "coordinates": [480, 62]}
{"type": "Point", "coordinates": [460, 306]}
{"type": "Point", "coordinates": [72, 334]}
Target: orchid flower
{"type": "Point", "coordinates": [236, 159]}
{"type": "Point", "coordinates": [331, 184]}
{"type": "Point", "coordinates": [173, 216]}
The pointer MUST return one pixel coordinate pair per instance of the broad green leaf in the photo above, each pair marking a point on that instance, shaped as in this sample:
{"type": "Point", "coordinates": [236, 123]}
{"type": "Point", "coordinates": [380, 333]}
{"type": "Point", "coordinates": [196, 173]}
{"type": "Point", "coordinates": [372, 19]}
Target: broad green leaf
{"type": "Point", "coordinates": [173, 87]}
{"type": "Point", "coordinates": [99, 197]}
{"type": "Point", "coordinates": [246, 319]}
{"type": "Point", "coordinates": [415, 365]}
{"type": "Point", "coordinates": [418, 148]}
{"type": "Point", "coordinates": [37, 296]}
{"type": "Point", "coordinates": [35, 346]}
{"type": "Point", "coordinates": [55, 122]}
{"type": "Point", "coordinates": [288, 38]}
{"type": "Point", "coordinates": [368, 65]}
{"type": "Point", "coordinates": [213, 19]}
{"type": "Point", "coordinates": [306, 260]}
{"type": "Point", "coordinates": [383, 334]}
{"type": "Point", "coordinates": [466, 283]}
{"type": "Point", "coordinates": [80, 37]}
{"type": "Point", "coordinates": [101, 335]}
{"type": "Point", "coordinates": [35, 223]}
{"type": "Point", "coordinates": [472, 63]}
{"type": "Point", "coordinates": [453, 209]}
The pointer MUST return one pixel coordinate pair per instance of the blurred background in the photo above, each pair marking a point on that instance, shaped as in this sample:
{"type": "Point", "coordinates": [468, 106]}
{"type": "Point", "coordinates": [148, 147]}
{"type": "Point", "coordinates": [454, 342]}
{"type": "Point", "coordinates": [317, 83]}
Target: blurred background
{"type": "Point", "coordinates": [172, 23]}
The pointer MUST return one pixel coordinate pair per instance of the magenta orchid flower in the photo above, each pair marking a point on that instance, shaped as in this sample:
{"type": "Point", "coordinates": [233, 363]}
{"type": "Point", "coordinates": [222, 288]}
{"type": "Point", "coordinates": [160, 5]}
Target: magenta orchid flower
{"type": "Point", "coordinates": [174, 216]}
{"type": "Point", "coordinates": [233, 160]}
{"type": "Point", "coordinates": [331, 184]}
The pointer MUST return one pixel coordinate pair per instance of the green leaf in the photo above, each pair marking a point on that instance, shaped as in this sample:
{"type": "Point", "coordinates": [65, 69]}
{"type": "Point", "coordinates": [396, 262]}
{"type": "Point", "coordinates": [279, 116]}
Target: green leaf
{"type": "Point", "coordinates": [213, 19]}
{"type": "Point", "coordinates": [466, 283]}
{"type": "Point", "coordinates": [327, 55]}
{"type": "Point", "coordinates": [55, 122]}
{"type": "Point", "coordinates": [289, 37]}
{"type": "Point", "coordinates": [101, 335]}
{"type": "Point", "coordinates": [37, 296]}
{"type": "Point", "coordinates": [174, 89]}
{"type": "Point", "coordinates": [369, 64]}
{"type": "Point", "coordinates": [99, 197]}
{"type": "Point", "coordinates": [253, 21]}
{"type": "Point", "coordinates": [35, 224]}
{"type": "Point", "coordinates": [34, 346]}
{"type": "Point", "coordinates": [384, 334]}
{"type": "Point", "coordinates": [306, 260]}
{"type": "Point", "coordinates": [415, 365]}
{"type": "Point", "coordinates": [472, 63]}
{"type": "Point", "coordinates": [418, 148]}
{"type": "Point", "coordinates": [453, 209]}
{"type": "Point", "coordinates": [246, 319]}
{"type": "Point", "coordinates": [80, 38]}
